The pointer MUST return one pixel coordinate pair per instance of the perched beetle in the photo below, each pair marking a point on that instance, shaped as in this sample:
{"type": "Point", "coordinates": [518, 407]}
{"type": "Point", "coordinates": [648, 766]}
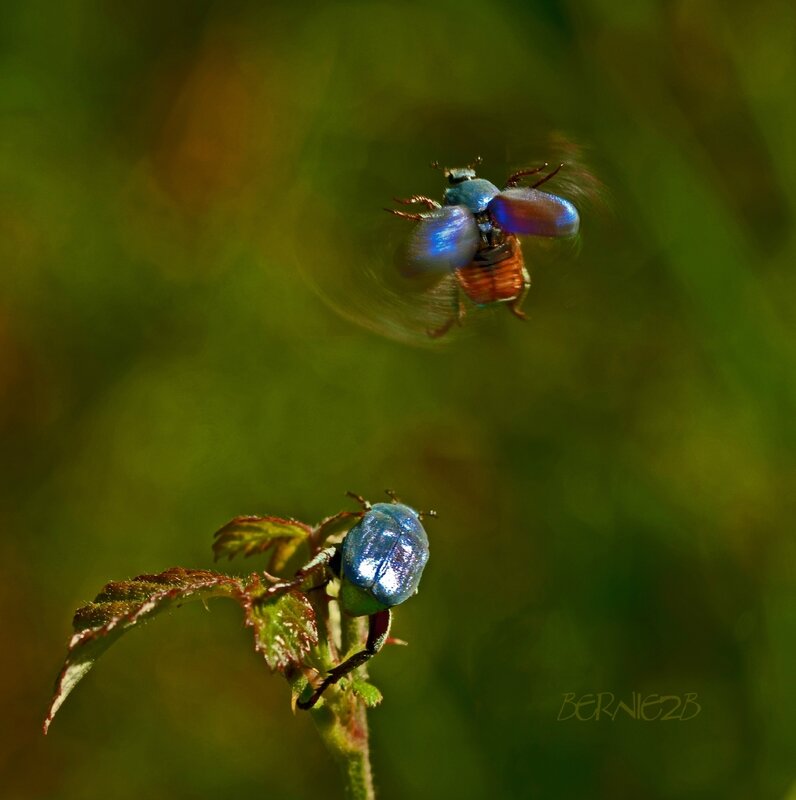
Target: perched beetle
{"type": "Point", "coordinates": [379, 565]}
{"type": "Point", "coordinates": [473, 234]}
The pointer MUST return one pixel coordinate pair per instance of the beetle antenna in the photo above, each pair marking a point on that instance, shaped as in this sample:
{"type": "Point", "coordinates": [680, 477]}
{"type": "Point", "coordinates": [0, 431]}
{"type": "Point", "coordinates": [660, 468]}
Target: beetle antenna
{"type": "Point", "coordinates": [515, 177]}
{"type": "Point", "coordinates": [445, 170]}
{"type": "Point", "coordinates": [476, 162]}
{"type": "Point", "coordinates": [361, 500]}
{"type": "Point", "coordinates": [431, 514]}
{"type": "Point", "coordinates": [547, 177]}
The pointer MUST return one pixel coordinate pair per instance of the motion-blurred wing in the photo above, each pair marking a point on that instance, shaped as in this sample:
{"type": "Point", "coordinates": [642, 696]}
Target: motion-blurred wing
{"type": "Point", "coordinates": [529, 212]}
{"type": "Point", "coordinates": [443, 241]}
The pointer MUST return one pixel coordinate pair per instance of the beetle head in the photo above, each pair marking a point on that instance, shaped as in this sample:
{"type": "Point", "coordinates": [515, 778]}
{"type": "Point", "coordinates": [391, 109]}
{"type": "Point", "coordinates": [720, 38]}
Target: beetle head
{"type": "Point", "coordinates": [459, 174]}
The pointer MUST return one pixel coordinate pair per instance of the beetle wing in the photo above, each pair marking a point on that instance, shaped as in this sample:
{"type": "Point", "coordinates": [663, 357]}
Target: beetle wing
{"type": "Point", "coordinates": [444, 240]}
{"type": "Point", "coordinates": [529, 212]}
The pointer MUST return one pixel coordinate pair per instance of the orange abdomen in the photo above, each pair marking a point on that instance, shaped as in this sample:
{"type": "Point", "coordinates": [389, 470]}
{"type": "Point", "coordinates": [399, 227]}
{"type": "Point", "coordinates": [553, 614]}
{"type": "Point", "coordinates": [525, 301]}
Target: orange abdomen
{"type": "Point", "coordinates": [487, 280]}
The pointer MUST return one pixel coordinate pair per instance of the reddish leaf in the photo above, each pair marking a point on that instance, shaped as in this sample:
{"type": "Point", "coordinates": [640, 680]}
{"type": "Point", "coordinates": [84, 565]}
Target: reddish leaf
{"type": "Point", "coordinates": [284, 626]}
{"type": "Point", "coordinates": [281, 616]}
{"type": "Point", "coordinates": [247, 536]}
{"type": "Point", "coordinates": [124, 604]}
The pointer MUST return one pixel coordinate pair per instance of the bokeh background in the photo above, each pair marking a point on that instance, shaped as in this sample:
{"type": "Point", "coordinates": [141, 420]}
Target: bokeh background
{"type": "Point", "coordinates": [615, 479]}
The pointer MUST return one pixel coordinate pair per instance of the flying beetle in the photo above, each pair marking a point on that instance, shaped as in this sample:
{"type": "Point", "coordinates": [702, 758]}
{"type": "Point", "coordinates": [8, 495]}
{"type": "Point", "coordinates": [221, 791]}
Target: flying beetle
{"type": "Point", "coordinates": [473, 234]}
{"type": "Point", "coordinates": [379, 564]}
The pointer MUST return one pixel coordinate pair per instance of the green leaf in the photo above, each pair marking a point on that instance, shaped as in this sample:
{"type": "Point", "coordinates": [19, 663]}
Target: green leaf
{"type": "Point", "coordinates": [124, 604]}
{"type": "Point", "coordinates": [367, 691]}
{"type": "Point", "coordinates": [250, 535]}
{"type": "Point", "coordinates": [284, 626]}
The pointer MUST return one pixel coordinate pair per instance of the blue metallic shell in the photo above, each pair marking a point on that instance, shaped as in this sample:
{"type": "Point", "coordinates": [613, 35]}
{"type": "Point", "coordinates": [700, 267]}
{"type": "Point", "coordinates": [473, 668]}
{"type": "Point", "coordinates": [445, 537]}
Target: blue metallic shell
{"type": "Point", "coordinates": [529, 212]}
{"type": "Point", "coordinates": [385, 553]}
{"type": "Point", "coordinates": [475, 194]}
{"type": "Point", "coordinates": [445, 240]}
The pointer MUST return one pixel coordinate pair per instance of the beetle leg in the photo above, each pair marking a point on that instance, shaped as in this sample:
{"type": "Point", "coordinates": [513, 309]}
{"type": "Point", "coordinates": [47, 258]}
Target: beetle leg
{"type": "Point", "coordinates": [438, 333]}
{"type": "Point", "coordinates": [405, 215]}
{"type": "Point", "coordinates": [413, 200]}
{"type": "Point", "coordinates": [417, 199]}
{"type": "Point", "coordinates": [515, 177]}
{"type": "Point", "coordinates": [516, 310]}
{"type": "Point", "coordinates": [547, 177]}
{"type": "Point", "coordinates": [378, 628]}
{"type": "Point", "coordinates": [328, 557]}
{"type": "Point", "coordinates": [516, 303]}
{"type": "Point", "coordinates": [392, 495]}
{"type": "Point", "coordinates": [361, 500]}
{"type": "Point", "coordinates": [455, 319]}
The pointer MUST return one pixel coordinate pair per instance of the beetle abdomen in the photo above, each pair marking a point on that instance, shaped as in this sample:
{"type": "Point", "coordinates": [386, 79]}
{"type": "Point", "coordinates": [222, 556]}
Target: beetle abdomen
{"type": "Point", "coordinates": [385, 553]}
{"type": "Point", "coordinates": [487, 280]}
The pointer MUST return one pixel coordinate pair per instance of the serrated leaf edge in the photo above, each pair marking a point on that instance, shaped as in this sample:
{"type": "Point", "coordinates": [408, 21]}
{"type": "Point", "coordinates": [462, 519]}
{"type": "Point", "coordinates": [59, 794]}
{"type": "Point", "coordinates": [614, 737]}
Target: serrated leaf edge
{"type": "Point", "coordinates": [73, 671]}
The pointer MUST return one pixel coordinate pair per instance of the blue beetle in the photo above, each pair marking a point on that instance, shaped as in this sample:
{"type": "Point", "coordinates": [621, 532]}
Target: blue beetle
{"type": "Point", "coordinates": [383, 557]}
{"type": "Point", "coordinates": [379, 564]}
{"type": "Point", "coordinates": [473, 234]}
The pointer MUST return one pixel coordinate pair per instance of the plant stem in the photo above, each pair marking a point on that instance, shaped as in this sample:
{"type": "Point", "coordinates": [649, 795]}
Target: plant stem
{"type": "Point", "coordinates": [343, 725]}
{"type": "Point", "coordinates": [342, 721]}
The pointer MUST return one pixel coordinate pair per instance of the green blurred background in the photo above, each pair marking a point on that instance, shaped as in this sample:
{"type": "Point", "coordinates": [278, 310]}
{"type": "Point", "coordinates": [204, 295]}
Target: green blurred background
{"type": "Point", "coordinates": [615, 479]}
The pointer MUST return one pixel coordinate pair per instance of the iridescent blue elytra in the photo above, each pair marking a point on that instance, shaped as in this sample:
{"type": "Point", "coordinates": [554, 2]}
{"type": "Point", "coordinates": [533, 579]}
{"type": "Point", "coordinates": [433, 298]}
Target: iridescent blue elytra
{"type": "Point", "coordinates": [383, 557]}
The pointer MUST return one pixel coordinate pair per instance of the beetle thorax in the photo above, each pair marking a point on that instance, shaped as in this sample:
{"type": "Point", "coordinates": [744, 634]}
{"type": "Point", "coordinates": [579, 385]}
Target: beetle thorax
{"type": "Point", "coordinates": [474, 193]}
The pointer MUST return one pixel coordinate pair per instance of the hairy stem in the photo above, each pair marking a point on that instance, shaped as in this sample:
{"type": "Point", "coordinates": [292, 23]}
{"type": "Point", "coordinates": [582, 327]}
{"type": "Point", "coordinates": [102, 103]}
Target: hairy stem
{"type": "Point", "coordinates": [342, 718]}
{"type": "Point", "coordinates": [343, 725]}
